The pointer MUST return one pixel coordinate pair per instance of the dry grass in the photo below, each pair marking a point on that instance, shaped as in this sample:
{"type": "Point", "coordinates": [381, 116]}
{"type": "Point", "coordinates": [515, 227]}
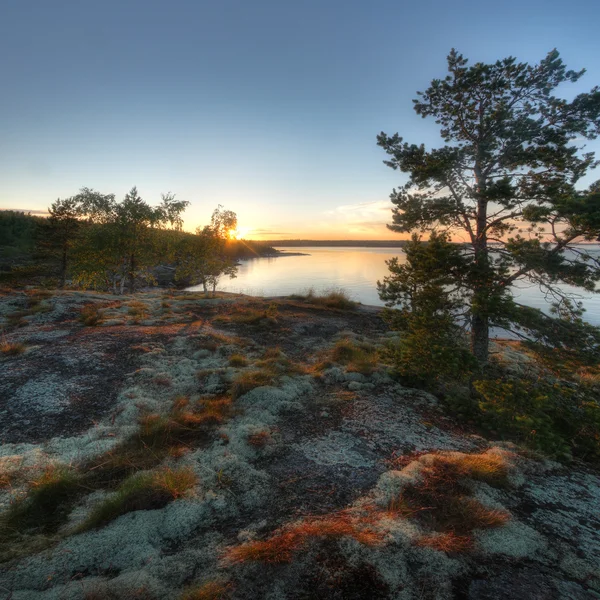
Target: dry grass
{"type": "Point", "coordinates": [336, 298]}
{"type": "Point", "coordinates": [243, 316]}
{"type": "Point", "coordinates": [281, 547]}
{"type": "Point", "coordinates": [249, 380]}
{"type": "Point", "coordinates": [277, 363]}
{"type": "Point", "coordinates": [137, 309]}
{"type": "Point", "coordinates": [184, 428]}
{"type": "Point", "coordinates": [358, 357]}
{"type": "Point", "coordinates": [441, 500]}
{"type": "Point", "coordinates": [44, 506]}
{"type": "Point", "coordinates": [90, 315]}
{"type": "Point", "coordinates": [211, 590]}
{"type": "Point", "coordinates": [142, 491]}
{"type": "Point", "coordinates": [238, 360]}
{"type": "Point", "coordinates": [11, 348]}
{"type": "Point", "coordinates": [176, 482]}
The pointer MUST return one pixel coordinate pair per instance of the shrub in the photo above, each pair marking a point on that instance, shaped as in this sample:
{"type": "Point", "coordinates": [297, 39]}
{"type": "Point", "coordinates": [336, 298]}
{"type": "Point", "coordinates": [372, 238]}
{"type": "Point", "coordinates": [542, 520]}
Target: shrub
{"type": "Point", "coordinates": [430, 350]}
{"type": "Point", "coordinates": [556, 418]}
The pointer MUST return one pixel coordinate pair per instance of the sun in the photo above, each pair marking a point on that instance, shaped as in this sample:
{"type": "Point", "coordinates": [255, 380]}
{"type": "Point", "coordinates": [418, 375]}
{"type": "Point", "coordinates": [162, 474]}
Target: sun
{"type": "Point", "coordinates": [238, 233]}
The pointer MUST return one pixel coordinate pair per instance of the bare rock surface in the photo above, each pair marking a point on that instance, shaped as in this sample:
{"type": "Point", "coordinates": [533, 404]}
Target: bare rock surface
{"type": "Point", "coordinates": [316, 447]}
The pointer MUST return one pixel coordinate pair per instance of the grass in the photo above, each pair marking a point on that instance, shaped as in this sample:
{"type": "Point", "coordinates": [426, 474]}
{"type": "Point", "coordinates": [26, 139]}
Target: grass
{"type": "Point", "coordinates": [44, 506]}
{"type": "Point", "coordinates": [211, 590]}
{"type": "Point", "coordinates": [358, 357]}
{"type": "Point", "coordinates": [286, 542]}
{"type": "Point", "coordinates": [160, 436]}
{"type": "Point", "coordinates": [277, 363]}
{"type": "Point", "coordinates": [449, 542]}
{"type": "Point", "coordinates": [248, 380]}
{"type": "Point", "coordinates": [11, 348]}
{"type": "Point", "coordinates": [238, 360]}
{"type": "Point", "coordinates": [142, 491]}
{"type": "Point", "coordinates": [90, 315]}
{"type": "Point", "coordinates": [441, 500]}
{"type": "Point", "coordinates": [333, 298]}
{"type": "Point", "coordinates": [243, 316]}
{"type": "Point", "coordinates": [137, 309]}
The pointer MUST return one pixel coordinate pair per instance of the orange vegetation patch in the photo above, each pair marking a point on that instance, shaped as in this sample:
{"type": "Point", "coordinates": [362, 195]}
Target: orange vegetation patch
{"type": "Point", "coordinates": [175, 482]}
{"type": "Point", "coordinates": [259, 439]}
{"type": "Point", "coordinates": [446, 542]}
{"type": "Point", "coordinates": [441, 500]}
{"type": "Point", "coordinates": [281, 547]}
{"type": "Point", "coordinates": [211, 590]}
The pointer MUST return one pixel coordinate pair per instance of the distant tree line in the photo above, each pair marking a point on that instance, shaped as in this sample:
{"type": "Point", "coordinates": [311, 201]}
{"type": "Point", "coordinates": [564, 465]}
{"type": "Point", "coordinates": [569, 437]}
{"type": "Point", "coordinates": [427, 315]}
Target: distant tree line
{"type": "Point", "coordinates": [94, 241]}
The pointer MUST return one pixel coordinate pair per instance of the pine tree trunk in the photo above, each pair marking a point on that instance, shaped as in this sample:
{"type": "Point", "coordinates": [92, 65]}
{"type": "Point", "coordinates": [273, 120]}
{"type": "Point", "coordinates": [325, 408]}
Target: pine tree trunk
{"type": "Point", "coordinates": [480, 338]}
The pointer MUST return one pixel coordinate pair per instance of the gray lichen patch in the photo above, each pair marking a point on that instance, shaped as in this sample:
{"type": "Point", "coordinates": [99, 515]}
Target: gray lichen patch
{"type": "Point", "coordinates": [337, 448]}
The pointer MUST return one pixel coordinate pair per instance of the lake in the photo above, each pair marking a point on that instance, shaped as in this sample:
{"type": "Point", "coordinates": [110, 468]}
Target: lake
{"type": "Point", "coordinates": [356, 270]}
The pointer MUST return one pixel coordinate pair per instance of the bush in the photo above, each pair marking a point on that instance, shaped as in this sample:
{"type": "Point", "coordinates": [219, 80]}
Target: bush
{"type": "Point", "coordinates": [431, 350]}
{"type": "Point", "coordinates": [557, 418]}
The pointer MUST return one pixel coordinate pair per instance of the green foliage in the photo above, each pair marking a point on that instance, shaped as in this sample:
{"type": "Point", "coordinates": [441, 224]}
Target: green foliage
{"type": "Point", "coordinates": [18, 232]}
{"type": "Point", "coordinates": [506, 175]}
{"type": "Point", "coordinates": [432, 346]}
{"type": "Point", "coordinates": [557, 418]}
{"type": "Point", "coordinates": [204, 258]}
{"type": "Point", "coordinates": [121, 242]}
{"type": "Point", "coordinates": [431, 350]}
{"type": "Point", "coordinates": [45, 505]}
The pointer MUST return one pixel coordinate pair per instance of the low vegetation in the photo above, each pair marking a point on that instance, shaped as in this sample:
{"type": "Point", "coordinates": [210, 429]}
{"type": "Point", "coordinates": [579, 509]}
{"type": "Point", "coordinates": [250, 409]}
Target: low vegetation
{"type": "Point", "coordinates": [357, 357]}
{"type": "Point", "coordinates": [442, 502]}
{"type": "Point", "coordinates": [11, 348]}
{"type": "Point", "coordinates": [286, 542]}
{"type": "Point", "coordinates": [336, 298]}
{"type": "Point", "coordinates": [142, 491]}
{"type": "Point", "coordinates": [210, 590]}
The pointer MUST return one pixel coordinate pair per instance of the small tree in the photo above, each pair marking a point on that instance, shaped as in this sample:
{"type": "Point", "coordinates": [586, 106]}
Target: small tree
{"type": "Point", "coordinates": [432, 346]}
{"type": "Point", "coordinates": [61, 232]}
{"type": "Point", "coordinates": [505, 180]}
{"type": "Point", "coordinates": [203, 258]}
{"type": "Point", "coordinates": [121, 242]}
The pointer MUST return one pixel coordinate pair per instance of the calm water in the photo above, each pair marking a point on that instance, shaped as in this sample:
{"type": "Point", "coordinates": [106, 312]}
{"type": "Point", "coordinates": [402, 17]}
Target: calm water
{"type": "Point", "coordinates": [354, 269]}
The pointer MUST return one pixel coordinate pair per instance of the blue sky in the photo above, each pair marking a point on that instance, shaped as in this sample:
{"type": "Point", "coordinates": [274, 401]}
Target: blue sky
{"type": "Point", "coordinates": [268, 107]}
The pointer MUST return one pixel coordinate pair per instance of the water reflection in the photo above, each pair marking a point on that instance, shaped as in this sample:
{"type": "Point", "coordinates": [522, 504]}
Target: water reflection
{"type": "Point", "coordinates": [357, 271]}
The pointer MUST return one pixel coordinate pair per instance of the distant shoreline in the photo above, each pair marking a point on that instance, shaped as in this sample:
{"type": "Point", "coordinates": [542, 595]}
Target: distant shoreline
{"type": "Point", "coordinates": [337, 243]}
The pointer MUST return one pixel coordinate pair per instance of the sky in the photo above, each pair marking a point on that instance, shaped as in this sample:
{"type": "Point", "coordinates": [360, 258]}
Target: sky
{"type": "Point", "coordinates": [267, 107]}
